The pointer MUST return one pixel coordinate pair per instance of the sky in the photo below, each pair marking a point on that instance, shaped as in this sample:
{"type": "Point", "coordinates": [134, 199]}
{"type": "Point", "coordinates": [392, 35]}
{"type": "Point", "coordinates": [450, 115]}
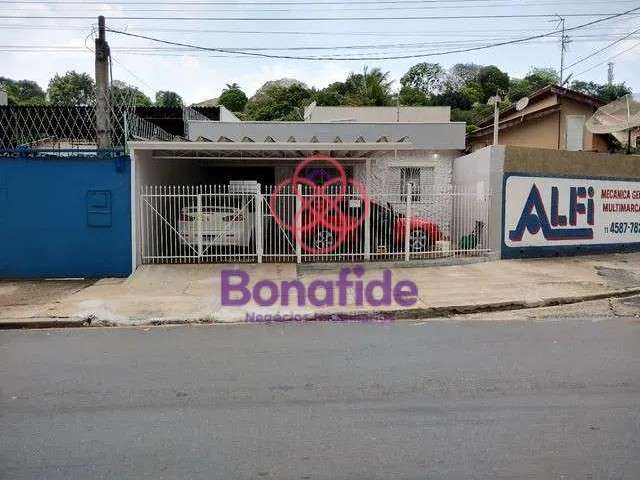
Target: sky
{"type": "Point", "coordinates": [44, 41]}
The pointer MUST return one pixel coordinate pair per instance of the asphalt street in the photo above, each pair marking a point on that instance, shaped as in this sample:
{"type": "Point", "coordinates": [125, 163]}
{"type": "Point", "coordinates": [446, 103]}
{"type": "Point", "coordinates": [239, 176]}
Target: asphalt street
{"type": "Point", "coordinates": [546, 399]}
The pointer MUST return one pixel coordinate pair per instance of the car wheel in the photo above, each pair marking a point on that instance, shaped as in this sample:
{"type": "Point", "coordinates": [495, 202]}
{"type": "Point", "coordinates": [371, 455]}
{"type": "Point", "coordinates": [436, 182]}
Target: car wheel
{"type": "Point", "coordinates": [418, 241]}
{"type": "Point", "coordinates": [323, 238]}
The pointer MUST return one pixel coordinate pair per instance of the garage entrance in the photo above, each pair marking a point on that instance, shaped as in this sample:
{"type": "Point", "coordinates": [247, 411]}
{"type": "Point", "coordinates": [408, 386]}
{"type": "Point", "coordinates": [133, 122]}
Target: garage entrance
{"type": "Point", "coordinates": [234, 219]}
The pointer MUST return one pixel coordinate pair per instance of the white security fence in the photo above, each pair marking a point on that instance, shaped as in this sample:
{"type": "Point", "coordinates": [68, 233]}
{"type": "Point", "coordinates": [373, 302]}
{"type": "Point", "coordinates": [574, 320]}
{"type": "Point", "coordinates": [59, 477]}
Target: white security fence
{"type": "Point", "coordinates": [249, 223]}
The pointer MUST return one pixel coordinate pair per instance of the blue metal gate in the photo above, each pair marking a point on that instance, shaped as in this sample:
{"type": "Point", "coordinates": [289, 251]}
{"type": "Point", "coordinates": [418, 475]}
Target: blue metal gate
{"type": "Point", "coordinates": [64, 214]}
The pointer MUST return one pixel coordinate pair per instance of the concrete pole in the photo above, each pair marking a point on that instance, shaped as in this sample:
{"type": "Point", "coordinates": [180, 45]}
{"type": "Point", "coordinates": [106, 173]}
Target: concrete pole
{"type": "Point", "coordinates": [496, 120]}
{"type": "Point", "coordinates": [103, 111]}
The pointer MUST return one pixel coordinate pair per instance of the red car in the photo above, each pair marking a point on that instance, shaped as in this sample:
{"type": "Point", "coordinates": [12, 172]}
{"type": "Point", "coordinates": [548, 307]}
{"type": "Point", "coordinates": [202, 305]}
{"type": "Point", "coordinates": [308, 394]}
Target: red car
{"type": "Point", "coordinates": [387, 228]}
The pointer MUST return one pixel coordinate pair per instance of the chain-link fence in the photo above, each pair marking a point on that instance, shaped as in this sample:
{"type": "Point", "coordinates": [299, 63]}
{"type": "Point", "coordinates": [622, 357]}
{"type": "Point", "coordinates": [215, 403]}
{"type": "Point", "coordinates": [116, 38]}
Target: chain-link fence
{"type": "Point", "coordinates": [64, 126]}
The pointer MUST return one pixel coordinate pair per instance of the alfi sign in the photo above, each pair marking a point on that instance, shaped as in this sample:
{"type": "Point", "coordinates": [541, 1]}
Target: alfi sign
{"type": "Point", "coordinates": [547, 212]}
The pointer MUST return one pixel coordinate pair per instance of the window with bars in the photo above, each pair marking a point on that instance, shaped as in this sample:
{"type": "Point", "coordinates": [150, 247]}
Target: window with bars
{"type": "Point", "coordinates": [410, 175]}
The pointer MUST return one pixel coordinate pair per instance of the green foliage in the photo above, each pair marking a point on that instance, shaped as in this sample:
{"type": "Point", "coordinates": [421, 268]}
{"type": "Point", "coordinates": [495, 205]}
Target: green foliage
{"type": "Point", "coordinates": [125, 94]}
{"type": "Point", "coordinates": [233, 98]}
{"type": "Point", "coordinates": [429, 78]}
{"type": "Point", "coordinates": [369, 88]}
{"type": "Point", "coordinates": [413, 97]}
{"type": "Point", "coordinates": [23, 92]}
{"type": "Point", "coordinates": [519, 88]}
{"type": "Point", "coordinates": [492, 81]}
{"type": "Point", "coordinates": [279, 103]}
{"type": "Point", "coordinates": [331, 96]}
{"type": "Point", "coordinates": [539, 78]}
{"type": "Point", "coordinates": [606, 93]}
{"type": "Point", "coordinates": [72, 88]}
{"type": "Point", "coordinates": [169, 99]}
{"type": "Point", "coordinates": [462, 74]}
{"type": "Point", "coordinates": [453, 98]}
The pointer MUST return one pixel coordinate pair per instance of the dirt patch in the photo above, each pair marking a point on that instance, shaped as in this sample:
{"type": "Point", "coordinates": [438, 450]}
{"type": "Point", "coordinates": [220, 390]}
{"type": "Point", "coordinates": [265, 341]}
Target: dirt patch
{"type": "Point", "coordinates": [619, 277]}
{"type": "Point", "coordinates": [38, 292]}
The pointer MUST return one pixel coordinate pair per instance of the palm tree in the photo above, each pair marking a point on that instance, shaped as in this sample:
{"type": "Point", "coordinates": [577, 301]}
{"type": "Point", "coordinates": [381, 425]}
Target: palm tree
{"type": "Point", "coordinates": [371, 87]}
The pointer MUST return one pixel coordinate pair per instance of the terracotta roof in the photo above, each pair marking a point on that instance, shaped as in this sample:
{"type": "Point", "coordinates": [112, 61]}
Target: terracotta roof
{"type": "Point", "coordinates": [545, 92]}
{"type": "Point", "coordinates": [484, 131]}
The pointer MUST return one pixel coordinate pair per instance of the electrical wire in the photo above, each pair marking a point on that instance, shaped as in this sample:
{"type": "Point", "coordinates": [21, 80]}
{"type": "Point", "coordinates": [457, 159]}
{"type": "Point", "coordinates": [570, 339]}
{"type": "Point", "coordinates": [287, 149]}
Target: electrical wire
{"type": "Point", "coordinates": [395, 57]}
{"type": "Point", "coordinates": [593, 54]}
{"type": "Point", "coordinates": [254, 3]}
{"type": "Point", "coordinates": [627, 50]}
{"type": "Point", "coordinates": [405, 46]}
{"type": "Point", "coordinates": [317, 19]}
{"type": "Point", "coordinates": [296, 7]}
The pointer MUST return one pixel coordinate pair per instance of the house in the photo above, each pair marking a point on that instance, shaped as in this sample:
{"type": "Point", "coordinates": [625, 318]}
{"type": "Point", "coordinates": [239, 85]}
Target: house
{"type": "Point", "coordinates": [388, 150]}
{"type": "Point", "coordinates": [554, 118]}
{"type": "Point", "coordinates": [384, 148]}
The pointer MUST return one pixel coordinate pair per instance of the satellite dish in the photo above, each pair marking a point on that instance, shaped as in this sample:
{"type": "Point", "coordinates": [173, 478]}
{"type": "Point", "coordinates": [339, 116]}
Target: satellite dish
{"type": "Point", "coordinates": [617, 118]}
{"type": "Point", "coordinates": [522, 103]}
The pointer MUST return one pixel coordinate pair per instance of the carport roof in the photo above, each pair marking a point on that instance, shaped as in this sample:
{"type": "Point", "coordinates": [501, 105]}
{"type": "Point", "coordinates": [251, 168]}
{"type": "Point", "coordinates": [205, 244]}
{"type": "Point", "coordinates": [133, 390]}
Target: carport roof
{"type": "Point", "coordinates": [270, 146]}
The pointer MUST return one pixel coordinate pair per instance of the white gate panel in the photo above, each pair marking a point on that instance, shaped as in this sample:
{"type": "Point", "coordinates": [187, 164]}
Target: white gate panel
{"type": "Point", "coordinates": [219, 224]}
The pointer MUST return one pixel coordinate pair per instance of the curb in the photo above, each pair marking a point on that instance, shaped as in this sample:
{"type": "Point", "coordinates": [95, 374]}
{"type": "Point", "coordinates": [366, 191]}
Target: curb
{"type": "Point", "coordinates": [356, 316]}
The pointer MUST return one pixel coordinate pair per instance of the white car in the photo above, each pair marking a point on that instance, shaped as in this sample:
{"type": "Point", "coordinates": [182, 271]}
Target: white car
{"type": "Point", "coordinates": [224, 222]}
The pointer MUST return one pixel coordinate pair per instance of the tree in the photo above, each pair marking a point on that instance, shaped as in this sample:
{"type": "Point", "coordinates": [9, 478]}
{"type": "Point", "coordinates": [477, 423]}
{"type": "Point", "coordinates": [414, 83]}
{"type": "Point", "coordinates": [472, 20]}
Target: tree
{"type": "Point", "coordinates": [492, 81]}
{"type": "Point", "coordinates": [369, 88]}
{"type": "Point", "coordinates": [429, 78]}
{"type": "Point", "coordinates": [542, 77]}
{"type": "Point", "coordinates": [279, 102]}
{"type": "Point", "coordinates": [72, 88]}
{"type": "Point", "coordinates": [608, 93]}
{"type": "Point", "coordinates": [413, 97]}
{"type": "Point", "coordinates": [168, 99]}
{"type": "Point", "coordinates": [233, 98]}
{"type": "Point", "coordinates": [124, 94]}
{"type": "Point", "coordinates": [604, 92]}
{"type": "Point", "coordinates": [454, 99]}
{"type": "Point", "coordinates": [331, 96]}
{"type": "Point", "coordinates": [23, 92]}
{"type": "Point", "coordinates": [462, 74]}
{"type": "Point", "coordinates": [519, 88]}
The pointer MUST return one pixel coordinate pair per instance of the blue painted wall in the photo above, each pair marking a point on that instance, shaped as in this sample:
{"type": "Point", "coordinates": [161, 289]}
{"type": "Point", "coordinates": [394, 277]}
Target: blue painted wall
{"type": "Point", "coordinates": [65, 216]}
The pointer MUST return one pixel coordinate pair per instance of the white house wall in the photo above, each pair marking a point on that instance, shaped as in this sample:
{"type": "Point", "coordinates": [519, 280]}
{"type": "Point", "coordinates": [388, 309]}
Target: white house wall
{"type": "Point", "coordinates": [314, 113]}
{"type": "Point", "coordinates": [434, 136]}
{"type": "Point", "coordinates": [484, 170]}
{"type": "Point", "coordinates": [436, 169]}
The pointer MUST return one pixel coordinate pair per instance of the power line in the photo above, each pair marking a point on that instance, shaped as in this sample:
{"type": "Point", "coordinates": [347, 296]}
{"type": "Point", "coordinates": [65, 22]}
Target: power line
{"type": "Point", "coordinates": [295, 7]}
{"type": "Point", "coordinates": [252, 3]}
{"type": "Point", "coordinates": [387, 46]}
{"type": "Point", "coordinates": [627, 50]}
{"type": "Point", "coordinates": [314, 19]}
{"type": "Point", "coordinates": [395, 57]}
{"type": "Point", "coordinates": [615, 42]}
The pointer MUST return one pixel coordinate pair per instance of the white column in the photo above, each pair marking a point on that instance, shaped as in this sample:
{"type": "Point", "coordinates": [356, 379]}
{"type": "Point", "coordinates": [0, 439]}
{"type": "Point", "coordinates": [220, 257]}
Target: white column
{"type": "Point", "coordinates": [407, 225]}
{"type": "Point", "coordinates": [258, 224]}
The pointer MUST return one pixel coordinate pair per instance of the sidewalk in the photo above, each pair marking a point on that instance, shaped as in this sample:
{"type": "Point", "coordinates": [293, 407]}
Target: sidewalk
{"type": "Point", "coordinates": [191, 293]}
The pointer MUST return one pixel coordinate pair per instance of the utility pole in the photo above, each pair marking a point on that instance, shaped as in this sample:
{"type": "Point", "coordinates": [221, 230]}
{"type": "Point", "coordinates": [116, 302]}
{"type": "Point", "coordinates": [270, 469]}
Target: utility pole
{"type": "Point", "coordinates": [610, 73]}
{"type": "Point", "coordinates": [563, 48]}
{"type": "Point", "coordinates": [103, 110]}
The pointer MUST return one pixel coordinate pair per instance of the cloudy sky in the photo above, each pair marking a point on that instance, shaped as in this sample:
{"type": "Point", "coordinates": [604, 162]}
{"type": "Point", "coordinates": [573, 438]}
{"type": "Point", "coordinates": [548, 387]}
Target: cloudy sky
{"type": "Point", "coordinates": [39, 39]}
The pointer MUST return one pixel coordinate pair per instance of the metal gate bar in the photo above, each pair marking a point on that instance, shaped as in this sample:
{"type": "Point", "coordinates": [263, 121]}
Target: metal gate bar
{"type": "Point", "coordinates": [219, 224]}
